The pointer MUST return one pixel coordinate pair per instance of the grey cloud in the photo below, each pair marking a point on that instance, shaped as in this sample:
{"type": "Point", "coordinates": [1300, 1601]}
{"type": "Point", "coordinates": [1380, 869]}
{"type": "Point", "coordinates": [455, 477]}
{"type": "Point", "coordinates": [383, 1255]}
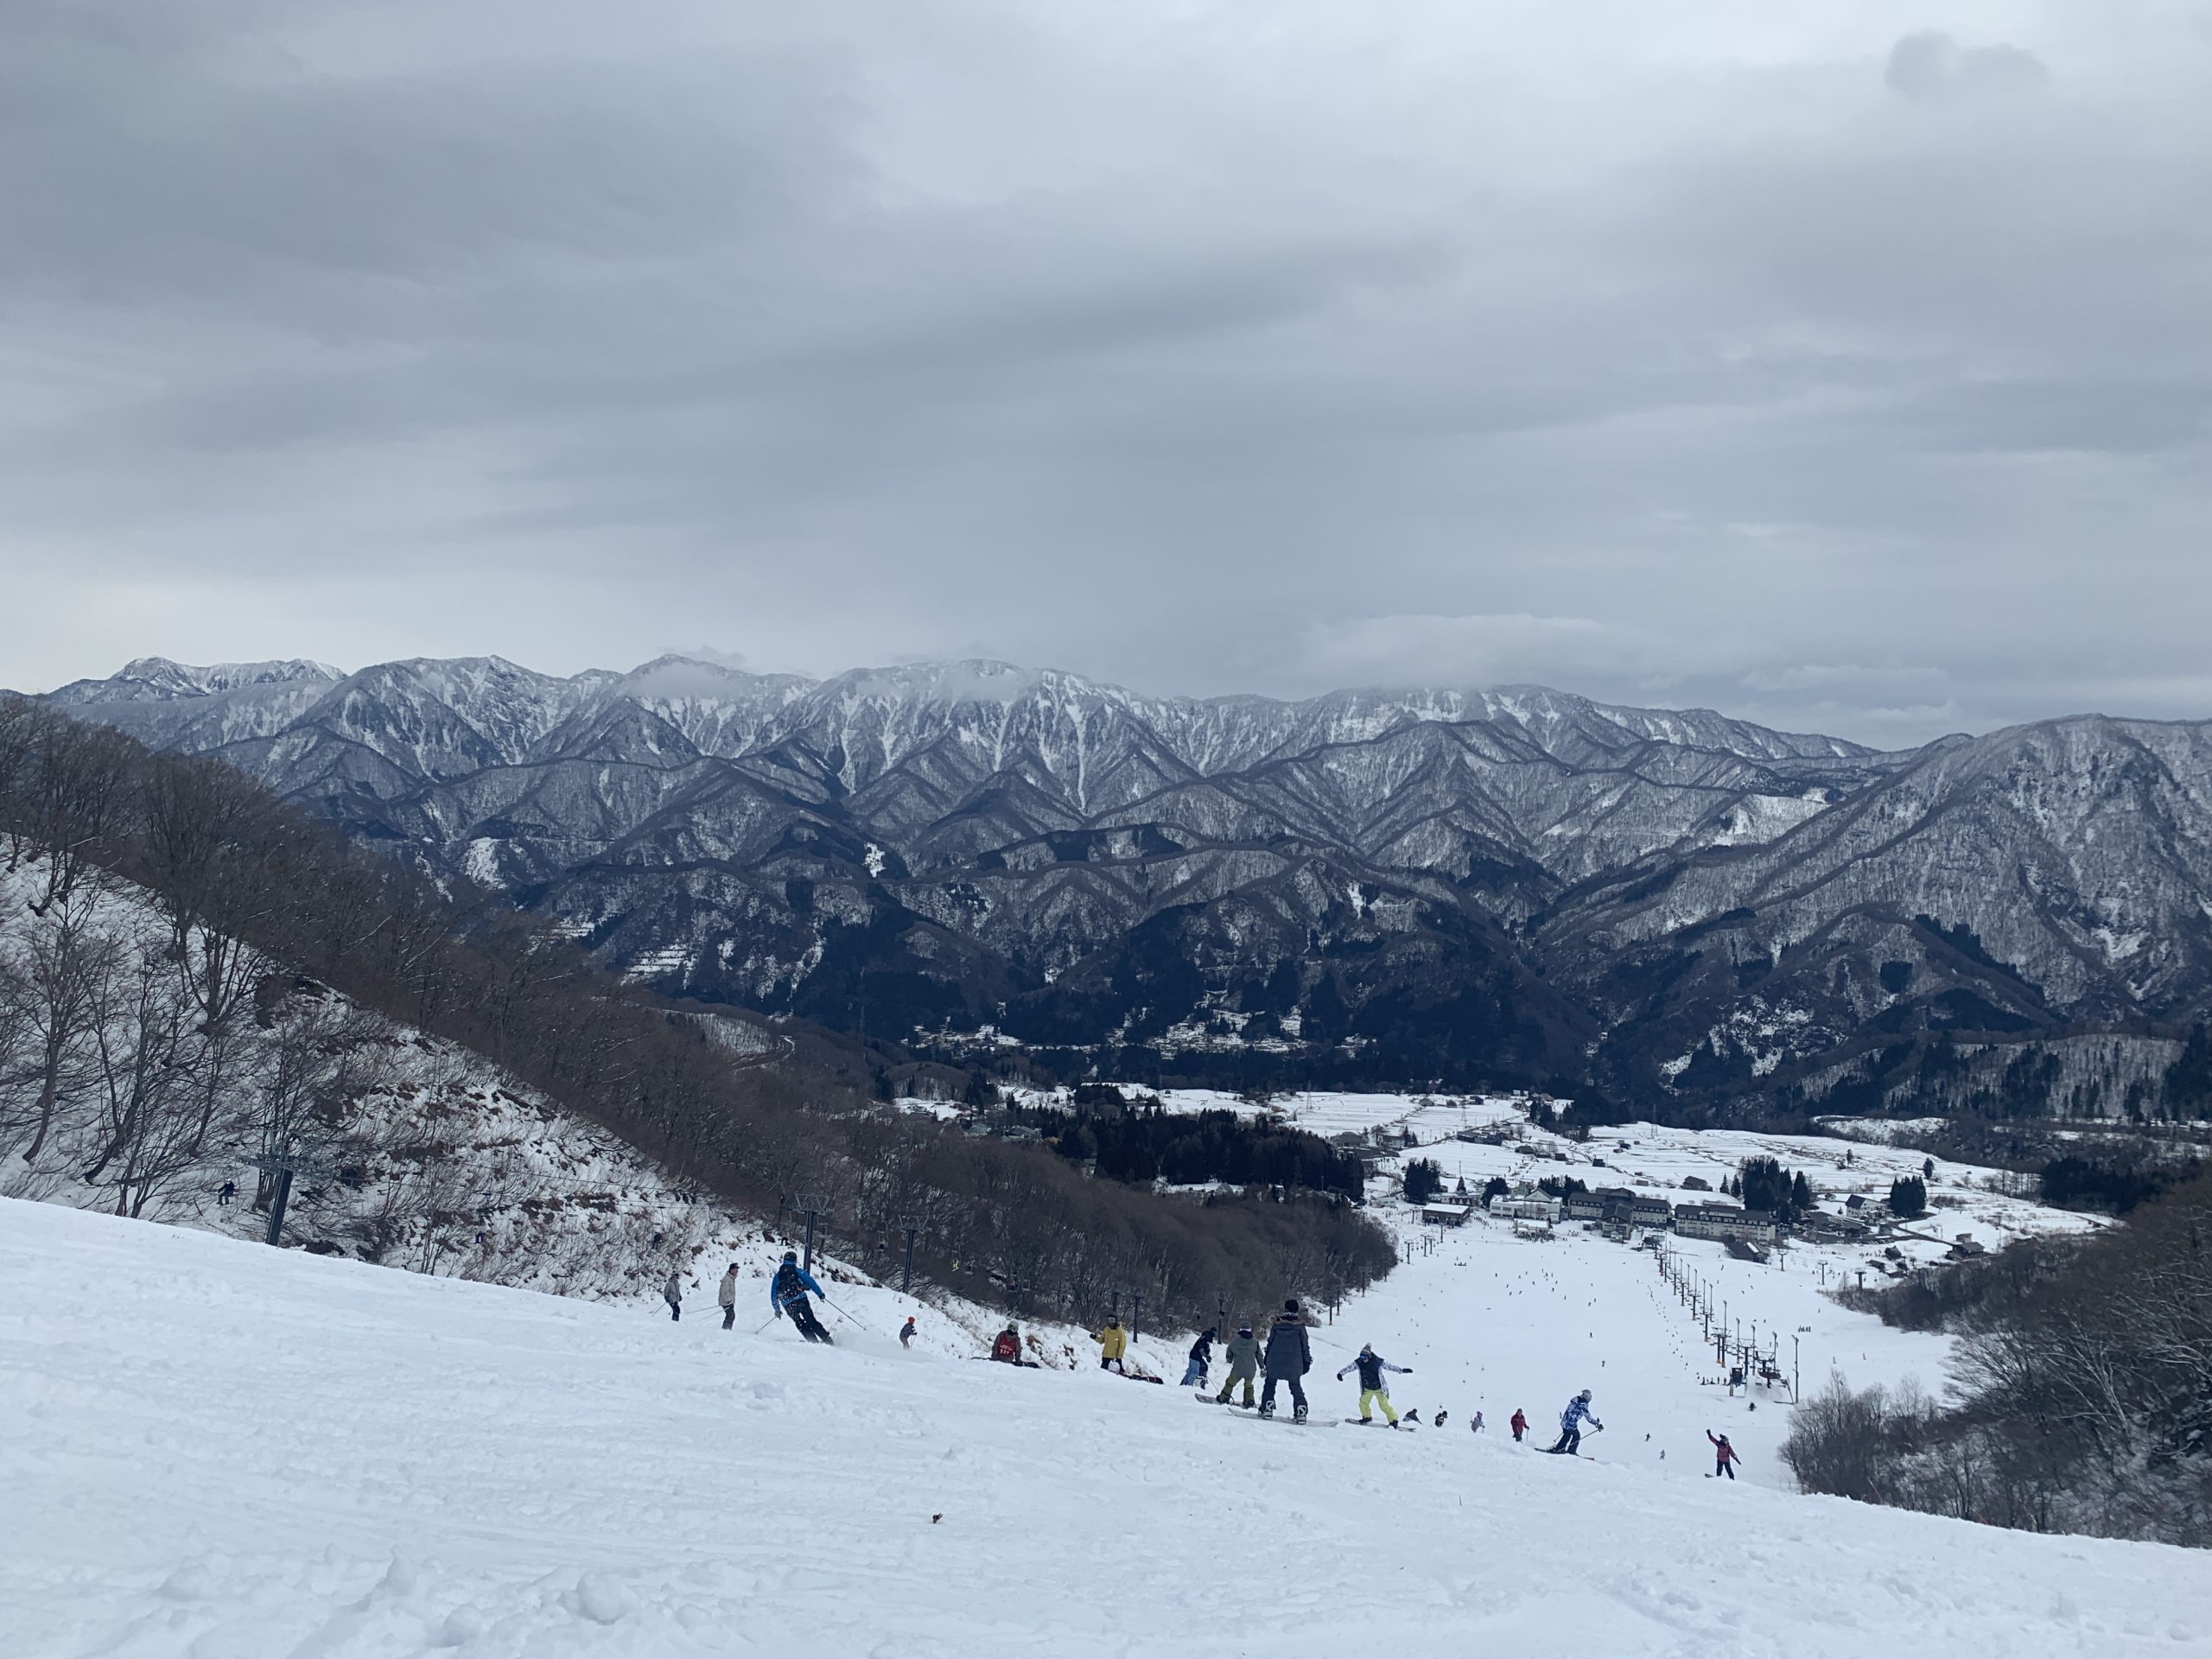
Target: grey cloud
{"type": "Point", "coordinates": [1175, 355]}
{"type": "Point", "coordinates": [1932, 65]}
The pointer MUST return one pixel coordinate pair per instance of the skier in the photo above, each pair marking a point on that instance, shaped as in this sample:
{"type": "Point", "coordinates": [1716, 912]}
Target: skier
{"type": "Point", "coordinates": [1570, 1423]}
{"type": "Point", "coordinates": [1194, 1373]}
{"type": "Point", "coordinates": [906, 1332]}
{"type": "Point", "coordinates": [1289, 1357]}
{"type": "Point", "coordinates": [1518, 1423]}
{"type": "Point", "coordinates": [1007, 1349]}
{"type": "Point", "coordinates": [787, 1294]}
{"type": "Point", "coordinates": [1243, 1355]}
{"type": "Point", "coordinates": [726, 1293]}
{"type": "Point", "coordinates": [1370, 1366]}
{"type": "Point", "coordinates": [1724, 1456]}
{"type": "Point", "coordinates": [225, 1193]}
{"type": "Point", "coordinates": [672, 1293]}
{"type": "Point", "coordinates": [1113, 1342]}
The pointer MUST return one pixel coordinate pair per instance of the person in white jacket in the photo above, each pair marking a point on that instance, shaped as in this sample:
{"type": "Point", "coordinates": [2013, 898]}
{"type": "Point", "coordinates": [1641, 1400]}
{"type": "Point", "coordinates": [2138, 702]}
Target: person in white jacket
{"type": "Point", "coordinates": [672, 1293]}
{"type": "Point", "coordinates": [1370, 1366]}
{"type": "Point", "coordinates": [726, 1293]}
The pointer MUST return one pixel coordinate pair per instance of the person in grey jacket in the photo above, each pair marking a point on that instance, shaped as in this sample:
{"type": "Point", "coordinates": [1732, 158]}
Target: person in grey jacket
{"type": "Point", "coordinates": [672, 1293]}
{"type": "Point", "coordinates": [1243, 1352]}
{"type": "Point", "coordinates": [1289, 1357]}
{"type": "Point", "coordinates": [726, 1293]}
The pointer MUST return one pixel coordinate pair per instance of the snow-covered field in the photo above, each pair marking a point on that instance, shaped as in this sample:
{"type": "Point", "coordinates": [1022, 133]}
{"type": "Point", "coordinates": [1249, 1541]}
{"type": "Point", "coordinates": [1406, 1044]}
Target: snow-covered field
{"type": "Point", "coordinates": [211, 1449]}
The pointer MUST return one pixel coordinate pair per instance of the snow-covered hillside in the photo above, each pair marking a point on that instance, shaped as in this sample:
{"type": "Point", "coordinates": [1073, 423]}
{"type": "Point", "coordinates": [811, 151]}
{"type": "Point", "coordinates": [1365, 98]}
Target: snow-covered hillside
{"type": "Point", "coordinates": [215, 1449]}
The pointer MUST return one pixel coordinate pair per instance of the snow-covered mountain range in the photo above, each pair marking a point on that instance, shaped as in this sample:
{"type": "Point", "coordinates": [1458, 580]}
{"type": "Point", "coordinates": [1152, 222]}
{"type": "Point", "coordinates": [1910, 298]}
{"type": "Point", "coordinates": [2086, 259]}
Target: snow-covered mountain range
{"type": "Point", "coordinates": [1386, 886]}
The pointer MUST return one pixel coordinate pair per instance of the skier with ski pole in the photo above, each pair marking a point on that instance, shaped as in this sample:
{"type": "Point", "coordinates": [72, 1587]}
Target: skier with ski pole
{"type": "Point", "coordinates": [672, 1293]}
{"type": "Point", "coordinates": [787, 1294]}
{"type": "Point", "coordinates": [1370, 1366]}
{"type": "Point", "coordinates": [1570, 1424]}
{"type": "Point", "coordinates": [726, 1293]}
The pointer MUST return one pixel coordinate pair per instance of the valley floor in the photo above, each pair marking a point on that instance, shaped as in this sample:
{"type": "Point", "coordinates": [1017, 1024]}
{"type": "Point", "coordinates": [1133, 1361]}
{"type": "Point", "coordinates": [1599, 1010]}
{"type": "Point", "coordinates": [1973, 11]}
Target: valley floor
{"type": "Point", "coordinates": [217, 1450]}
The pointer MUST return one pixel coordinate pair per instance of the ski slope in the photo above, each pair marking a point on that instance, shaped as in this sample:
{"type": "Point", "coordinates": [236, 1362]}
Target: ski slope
{"type": "Point", "coordinates": [217, 1450]}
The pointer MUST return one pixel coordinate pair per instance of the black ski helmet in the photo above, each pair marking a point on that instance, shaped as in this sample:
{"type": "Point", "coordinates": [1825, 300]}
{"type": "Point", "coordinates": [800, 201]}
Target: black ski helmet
{"type": "Point", "coordinates": [791, 1255]}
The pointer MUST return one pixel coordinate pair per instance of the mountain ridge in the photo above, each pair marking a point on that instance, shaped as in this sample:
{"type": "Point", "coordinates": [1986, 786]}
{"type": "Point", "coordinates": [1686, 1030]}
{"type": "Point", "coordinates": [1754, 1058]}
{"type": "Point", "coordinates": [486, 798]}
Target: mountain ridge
{"type": "Point", "coordinates": [1673, 906]}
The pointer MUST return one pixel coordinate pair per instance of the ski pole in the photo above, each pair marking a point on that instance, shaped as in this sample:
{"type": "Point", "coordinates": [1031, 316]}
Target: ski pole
{"type": "Point", "coordinates": [848, 1318]}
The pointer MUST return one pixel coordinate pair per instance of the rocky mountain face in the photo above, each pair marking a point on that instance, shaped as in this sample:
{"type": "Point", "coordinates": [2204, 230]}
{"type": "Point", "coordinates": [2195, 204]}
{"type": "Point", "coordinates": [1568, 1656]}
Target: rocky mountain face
{"type": "Point", "coordinates": [1682, 911]}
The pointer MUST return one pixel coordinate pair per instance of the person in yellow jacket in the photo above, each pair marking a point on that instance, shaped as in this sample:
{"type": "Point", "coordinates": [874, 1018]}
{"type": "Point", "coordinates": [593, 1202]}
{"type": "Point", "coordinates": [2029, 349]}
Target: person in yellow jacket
{"type": "Point", "coordinates": [1113, 1342]}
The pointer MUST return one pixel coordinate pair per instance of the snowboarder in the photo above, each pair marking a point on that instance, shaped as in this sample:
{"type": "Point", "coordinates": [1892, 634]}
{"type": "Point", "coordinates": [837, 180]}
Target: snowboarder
{"type": "Point", "coordinates": [1113, 1342]}
{"type": "Point", "coordinates": [1724, 1456]}
{"type": "Point", "coordinates": [1518, 1423]}
{"type": "Point", "coordinates": [1570, 1424]}
{"type": "Point", "coordinates": [672, 1293]}
{"type": "Point", "coordinates": [225, 1193]}
{"type": "Point", "coordinates": [1442, 1417]}
{"type": "Point", "coordinates": [906, 1332]}
{"type": "Point", "coordinates": [787, 1294]}
{"type": "Point", "coordinates": [1289, 1357]}
{"type": "Point", "coordinates": [1477, 1426]}
{"type": "Point", "coordinates": [726, 1293]}
{"type": "Point", "coordinates": [1194, 1373]}
{"type": "Point", "coordinates": [1370, 1366]}
{"type": "Point", "coordinates": [1007, 1349]}
{"type": "Point", "coordinates": [1243, 1355]}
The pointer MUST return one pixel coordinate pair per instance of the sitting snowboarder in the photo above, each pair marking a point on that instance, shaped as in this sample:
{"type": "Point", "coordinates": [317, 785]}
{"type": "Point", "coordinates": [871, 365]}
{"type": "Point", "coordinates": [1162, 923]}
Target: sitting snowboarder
{"type": "Point", "coordinates": [1007, 1349]}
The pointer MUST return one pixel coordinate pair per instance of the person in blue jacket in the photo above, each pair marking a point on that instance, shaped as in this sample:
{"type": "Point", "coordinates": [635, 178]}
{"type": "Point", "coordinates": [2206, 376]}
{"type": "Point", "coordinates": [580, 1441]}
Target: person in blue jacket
{"type": "Point", "coordinates": [787, 1291]}
{"type": "Point", "coordinates": [1570, 1423]}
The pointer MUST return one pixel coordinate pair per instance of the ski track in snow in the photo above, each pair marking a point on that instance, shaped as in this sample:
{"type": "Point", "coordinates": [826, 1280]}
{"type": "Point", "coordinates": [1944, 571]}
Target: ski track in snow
{"type": "Point", "coordinates": [216, 1450]}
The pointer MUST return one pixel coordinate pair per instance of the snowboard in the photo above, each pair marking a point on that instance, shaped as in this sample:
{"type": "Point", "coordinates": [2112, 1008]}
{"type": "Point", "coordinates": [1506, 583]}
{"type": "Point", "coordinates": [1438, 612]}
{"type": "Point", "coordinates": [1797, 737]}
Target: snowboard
{"type": "Point", "coordinates": [1284, 1417]}
{"type": "Point", "coordinates": [1383, 1422]}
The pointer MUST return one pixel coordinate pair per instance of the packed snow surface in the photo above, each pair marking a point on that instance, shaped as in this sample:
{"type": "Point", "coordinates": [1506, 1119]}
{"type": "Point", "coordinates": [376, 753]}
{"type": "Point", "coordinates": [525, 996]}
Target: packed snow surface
{"type": "Point", "coordinates": [211, 1448]}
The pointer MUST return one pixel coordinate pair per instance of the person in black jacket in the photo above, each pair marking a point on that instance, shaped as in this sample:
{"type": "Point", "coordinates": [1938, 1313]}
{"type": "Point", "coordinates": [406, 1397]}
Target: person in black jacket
{"type": "Point", "coordinates": [1290, 1358]}
{"type": "Point", "coordinates": [1194, 1373]}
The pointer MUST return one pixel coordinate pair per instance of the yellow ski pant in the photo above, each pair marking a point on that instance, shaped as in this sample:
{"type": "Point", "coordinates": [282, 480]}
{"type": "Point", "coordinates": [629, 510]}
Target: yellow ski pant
{"type": "Point", "coordinates": [1376, 1397]}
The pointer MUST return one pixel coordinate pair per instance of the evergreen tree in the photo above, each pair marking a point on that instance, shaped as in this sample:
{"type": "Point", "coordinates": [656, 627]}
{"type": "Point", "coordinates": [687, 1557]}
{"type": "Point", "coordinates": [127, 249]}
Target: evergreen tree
{"type": "Point", "coordinates": [1907, 1198]}
{"type": "Point", "coordinates": [1424, 1179]}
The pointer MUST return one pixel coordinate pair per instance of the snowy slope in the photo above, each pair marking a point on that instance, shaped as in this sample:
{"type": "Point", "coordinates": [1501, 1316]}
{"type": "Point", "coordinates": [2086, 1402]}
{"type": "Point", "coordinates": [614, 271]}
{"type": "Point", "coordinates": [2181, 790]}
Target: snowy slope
{"type": "Point", "coordinates": [214, 1449]}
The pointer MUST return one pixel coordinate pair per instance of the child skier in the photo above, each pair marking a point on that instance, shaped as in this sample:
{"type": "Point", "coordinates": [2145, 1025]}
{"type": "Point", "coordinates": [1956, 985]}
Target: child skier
{"type": "Point", "coordinates": [787, 1294]}
{"type": "Point", "coordinates": [1724, 1456]}
{"type": "Point", "coordinates": [1570, 1423]}
{"type": "Point", "coordinates": [1370, 1366]}
{"type": "Point", "coordinates": [1244, 1354]}
{"type": "Point", "coordinates": [906, 1332]}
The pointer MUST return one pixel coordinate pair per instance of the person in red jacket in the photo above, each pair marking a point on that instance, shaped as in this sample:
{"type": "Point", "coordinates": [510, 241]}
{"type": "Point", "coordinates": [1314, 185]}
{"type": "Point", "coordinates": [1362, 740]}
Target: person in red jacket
{"type": "Point", "coordinates": [1519, 1425]}
{"type": "Point", "coordinates": [1724, 1456]}
{"type": "Point", "coordinates": [1007, 1348]}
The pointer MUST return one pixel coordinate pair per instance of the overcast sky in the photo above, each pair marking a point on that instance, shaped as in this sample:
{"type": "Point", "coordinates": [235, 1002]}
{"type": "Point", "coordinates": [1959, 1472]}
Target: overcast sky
{"type": "Point", "coordinates": [1842, 364]}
